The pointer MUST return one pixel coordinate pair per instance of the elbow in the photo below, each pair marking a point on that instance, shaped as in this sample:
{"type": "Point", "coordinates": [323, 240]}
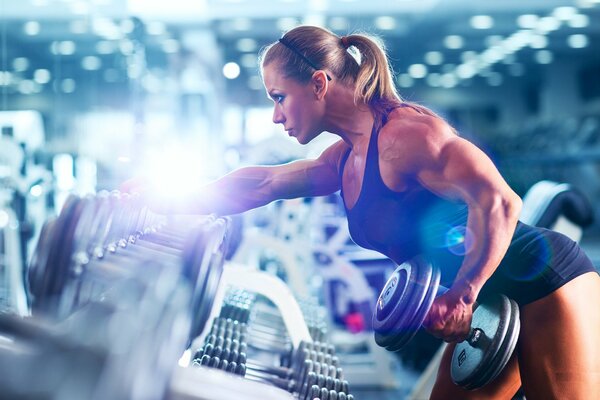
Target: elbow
{"type": "Point", "coordinates": [512, 205]}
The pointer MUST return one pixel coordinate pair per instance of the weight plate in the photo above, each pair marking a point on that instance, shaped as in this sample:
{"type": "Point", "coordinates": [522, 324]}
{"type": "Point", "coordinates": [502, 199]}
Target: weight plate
{"type": "Point", "coordinates": [478, 380]}
{"type": "Point", "coordinates": [413, 327]}
{"type": "Point", "coordinates": [470, 362]}
{"type": "Point", "coordinates": [400, 301]}
{"type": "Point", "coordinates": [506, 350]}
{"type": "Point", "coordinates": [52, 272]}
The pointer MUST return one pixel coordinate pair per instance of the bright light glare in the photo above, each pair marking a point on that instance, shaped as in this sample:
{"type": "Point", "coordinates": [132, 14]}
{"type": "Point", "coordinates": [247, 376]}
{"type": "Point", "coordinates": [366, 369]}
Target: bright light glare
{"type": "Point", "coordinates": [175, 171]}
{"type": "Point", "coordinates": [482, 22]}
{"type": "Point", "coordinates": [417, 71]}
{"type": "Point", "coordinates": [454, 42]}
{"type": "Point", "coordinates": [231, 70]}
{"type": "Point", "coordinates": [4, 218]}
{"type": "Point", "coordinates": [36, 191]}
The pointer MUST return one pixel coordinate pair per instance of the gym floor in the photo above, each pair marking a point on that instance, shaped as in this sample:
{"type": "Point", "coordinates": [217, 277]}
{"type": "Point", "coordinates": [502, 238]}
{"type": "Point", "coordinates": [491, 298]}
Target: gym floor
{"type": "Point", "coordinates": [407, 377]}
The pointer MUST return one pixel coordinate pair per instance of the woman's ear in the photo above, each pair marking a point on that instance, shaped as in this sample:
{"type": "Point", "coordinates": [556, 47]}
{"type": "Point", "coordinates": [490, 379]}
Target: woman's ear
{"type": "Point", "coordinates": [320, 83]}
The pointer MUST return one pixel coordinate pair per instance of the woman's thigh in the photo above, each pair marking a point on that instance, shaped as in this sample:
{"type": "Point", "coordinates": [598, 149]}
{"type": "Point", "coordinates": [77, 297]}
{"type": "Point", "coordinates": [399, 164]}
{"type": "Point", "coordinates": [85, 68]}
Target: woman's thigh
{"type": "Point", "coordinates": [503, 387]}
{"type": "Point", "coordinates": [559, 344]}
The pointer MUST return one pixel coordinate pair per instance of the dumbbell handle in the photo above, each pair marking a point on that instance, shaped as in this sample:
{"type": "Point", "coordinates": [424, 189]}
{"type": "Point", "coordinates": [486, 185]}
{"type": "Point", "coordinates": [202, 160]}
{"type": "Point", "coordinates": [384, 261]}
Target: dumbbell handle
{"type": "Point", "coordinates": [475, 334]}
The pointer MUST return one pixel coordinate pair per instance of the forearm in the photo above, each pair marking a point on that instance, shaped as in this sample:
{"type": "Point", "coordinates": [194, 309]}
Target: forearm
{"type": "Point", "coordinates": [490, 230]}
{"type": "Point", "coordinates": [234, 193]}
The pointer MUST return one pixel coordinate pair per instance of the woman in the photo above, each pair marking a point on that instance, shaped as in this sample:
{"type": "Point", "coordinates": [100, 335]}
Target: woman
{"type": "Point", "coordinates": [412, 186]}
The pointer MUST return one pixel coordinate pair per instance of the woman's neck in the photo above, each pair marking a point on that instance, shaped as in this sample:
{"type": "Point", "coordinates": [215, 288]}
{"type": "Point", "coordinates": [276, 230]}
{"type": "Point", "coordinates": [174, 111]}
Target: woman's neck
{"type": "Point", "coordinates": [353, 123]}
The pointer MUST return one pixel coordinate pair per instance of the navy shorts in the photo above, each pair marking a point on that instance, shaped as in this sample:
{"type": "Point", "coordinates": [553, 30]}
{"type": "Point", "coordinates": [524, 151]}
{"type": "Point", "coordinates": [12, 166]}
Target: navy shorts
{"type": "Point", "coordinates": [538, 262]}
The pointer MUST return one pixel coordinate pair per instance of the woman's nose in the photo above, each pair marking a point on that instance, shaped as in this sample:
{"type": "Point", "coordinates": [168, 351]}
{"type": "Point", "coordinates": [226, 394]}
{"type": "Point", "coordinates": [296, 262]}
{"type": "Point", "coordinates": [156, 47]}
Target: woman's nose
{"type": "Point", "coordinates": [277, 116]}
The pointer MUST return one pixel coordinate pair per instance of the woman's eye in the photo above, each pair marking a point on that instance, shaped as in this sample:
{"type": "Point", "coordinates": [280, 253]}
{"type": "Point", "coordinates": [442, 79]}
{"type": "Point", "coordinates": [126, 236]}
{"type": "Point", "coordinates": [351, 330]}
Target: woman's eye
{"type": "Point", "coordinates": [277, 98]}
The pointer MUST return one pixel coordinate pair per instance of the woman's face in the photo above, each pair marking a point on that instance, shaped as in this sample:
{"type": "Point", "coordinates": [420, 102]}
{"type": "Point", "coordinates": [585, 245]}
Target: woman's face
{"type": "Point", "coordinates": [295, 104]}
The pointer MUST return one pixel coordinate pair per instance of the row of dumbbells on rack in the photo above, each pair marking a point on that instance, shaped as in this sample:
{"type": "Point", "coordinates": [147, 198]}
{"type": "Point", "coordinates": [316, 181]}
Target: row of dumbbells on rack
{"type": "Point", "coordinates": [117, 296]}
{"type": "Point", "coordinates": [246, 347]}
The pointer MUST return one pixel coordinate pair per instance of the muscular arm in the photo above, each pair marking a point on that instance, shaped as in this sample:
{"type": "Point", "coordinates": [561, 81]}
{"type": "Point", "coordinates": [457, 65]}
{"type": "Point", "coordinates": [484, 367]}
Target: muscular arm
{"type": "Point", "coordinates": [454, 168]}
{"type": "Point", "coordinates": [252, 187]}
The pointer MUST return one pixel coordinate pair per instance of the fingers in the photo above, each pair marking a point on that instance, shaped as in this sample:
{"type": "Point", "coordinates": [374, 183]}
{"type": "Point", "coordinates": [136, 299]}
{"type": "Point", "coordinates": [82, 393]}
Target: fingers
{"type": "Point", "coordinates": [448, 325]}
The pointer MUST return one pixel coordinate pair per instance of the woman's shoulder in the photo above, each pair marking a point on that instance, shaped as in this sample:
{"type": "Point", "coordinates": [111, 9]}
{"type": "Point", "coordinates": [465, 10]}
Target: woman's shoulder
{"type": "Point", "coordinates": [408, 128]}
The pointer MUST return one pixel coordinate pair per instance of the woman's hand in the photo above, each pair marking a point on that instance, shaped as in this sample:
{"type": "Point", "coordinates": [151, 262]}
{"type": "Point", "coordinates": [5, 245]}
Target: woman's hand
{"type": "Point", "coordinates": [157, 201]}
{"type": "Point", "coordinates": [449, 317]}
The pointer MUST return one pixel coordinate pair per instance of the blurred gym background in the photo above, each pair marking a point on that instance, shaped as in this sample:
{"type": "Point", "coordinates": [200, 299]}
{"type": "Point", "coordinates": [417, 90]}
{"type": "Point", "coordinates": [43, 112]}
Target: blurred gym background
{"type": "Point", "coordinates": [93, 92]}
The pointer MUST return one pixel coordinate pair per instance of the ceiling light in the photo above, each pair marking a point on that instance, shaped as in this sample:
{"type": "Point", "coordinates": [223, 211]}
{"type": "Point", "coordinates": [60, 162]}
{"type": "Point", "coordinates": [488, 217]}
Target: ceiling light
{"type": "Point", "coordinates": [68, 85]}
{"type": "Point", "coordinates": [105, 47]}
{"type": "Point", "coordinates": [448, 81]}
{"type": "Point", "coordinates": [31, 28]}
{"type": "Point", "coordinates": [405, 81]}
{"type": "Point", "coordinates": [246, 45]}
{"type": "Point", "coordinates": [41, 76]}
{"type": "Point", "coordinates": [547, 24]}
{"type": "Point", "coordinates": [454, 42]}
{"type": "Point", "coordinates": [579, 21]}
{"type": "Point", "coordinates": [65, 48]}
{"type": "Point", "coordinates": [466, 71]}
{"type": "Point", "coordinates": [231, 70]}
{"type": "Point", "coordinates": [434, 57]}
{"type": "Point", "coordinates": [385, 22]}
{"type": "Point", "coordinates": [126, 47]}
{"type": "Point", "coordinates": [482, 22]}
{"type": "Point", "coordinates": [527, 21]}
{"type": "Point", "coordinates": [26, 86]}
{"type": "Point", "coordinates": [538, 42]}
{"type": "Point", "coordinates": [564, 13]}
{"type": "Point", "coordinates": [417, 71]}
{"type": "Point", "coordinates": [544, 57]}
{"type": "Point", "coordinates": [578, 41]}
{"type": "Point", "coordinates": [106, 28]}
{"type": "Point", "coordinates": [127, 26]}
{"type": "Point", "coordinates": [156, 28]}
{"type": "Point", "coordinates": [5, 78]}
{"type": "Point", "coordinates": [91, 63]}
{"type": "Point", "coordinates": [20, 64]}
{"type": "Point", "coordinates": [493, 55]}
{"type": "Point", "coordinates": [433, 79]}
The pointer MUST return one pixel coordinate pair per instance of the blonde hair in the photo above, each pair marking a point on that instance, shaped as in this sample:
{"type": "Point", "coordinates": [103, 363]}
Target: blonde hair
{"type": "Point", "coordinates": [357, 59]}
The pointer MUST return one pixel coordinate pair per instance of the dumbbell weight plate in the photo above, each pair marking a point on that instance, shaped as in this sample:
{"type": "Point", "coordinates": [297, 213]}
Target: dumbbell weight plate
{"type": "Point", "coordinates": [471, 362]}
{"type": "Point", "coordinates": [420, 314]}
{"type": "Point", "coordinates": [400, 302]}
{"type": "Point", "coordinates": [505, 352]}
{"type": "Point", "coordinates": [49, 273]}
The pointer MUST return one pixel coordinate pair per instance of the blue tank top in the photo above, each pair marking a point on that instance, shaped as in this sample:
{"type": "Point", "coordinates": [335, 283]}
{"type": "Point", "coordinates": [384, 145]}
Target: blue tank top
{"type": "Point", "coordinates": [401, 225]}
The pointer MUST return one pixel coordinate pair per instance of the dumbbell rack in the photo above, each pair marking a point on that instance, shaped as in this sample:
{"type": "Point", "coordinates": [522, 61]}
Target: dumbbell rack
{"type": "Point", "coordinates": [297, 334]}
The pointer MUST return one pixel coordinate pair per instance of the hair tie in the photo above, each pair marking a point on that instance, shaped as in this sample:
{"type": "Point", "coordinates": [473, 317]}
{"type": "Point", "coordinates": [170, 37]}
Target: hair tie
{"type": "Point", "coordinates": [345, 43]}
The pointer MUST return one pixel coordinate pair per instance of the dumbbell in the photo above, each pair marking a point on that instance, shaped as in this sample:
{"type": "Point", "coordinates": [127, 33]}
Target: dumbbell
{"type": "Point", "coordinates": [222, 352]}
{"type": "Point", "coordinates": [404, 303]}
{"type": "Point", "coordinates": [84, 244]}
